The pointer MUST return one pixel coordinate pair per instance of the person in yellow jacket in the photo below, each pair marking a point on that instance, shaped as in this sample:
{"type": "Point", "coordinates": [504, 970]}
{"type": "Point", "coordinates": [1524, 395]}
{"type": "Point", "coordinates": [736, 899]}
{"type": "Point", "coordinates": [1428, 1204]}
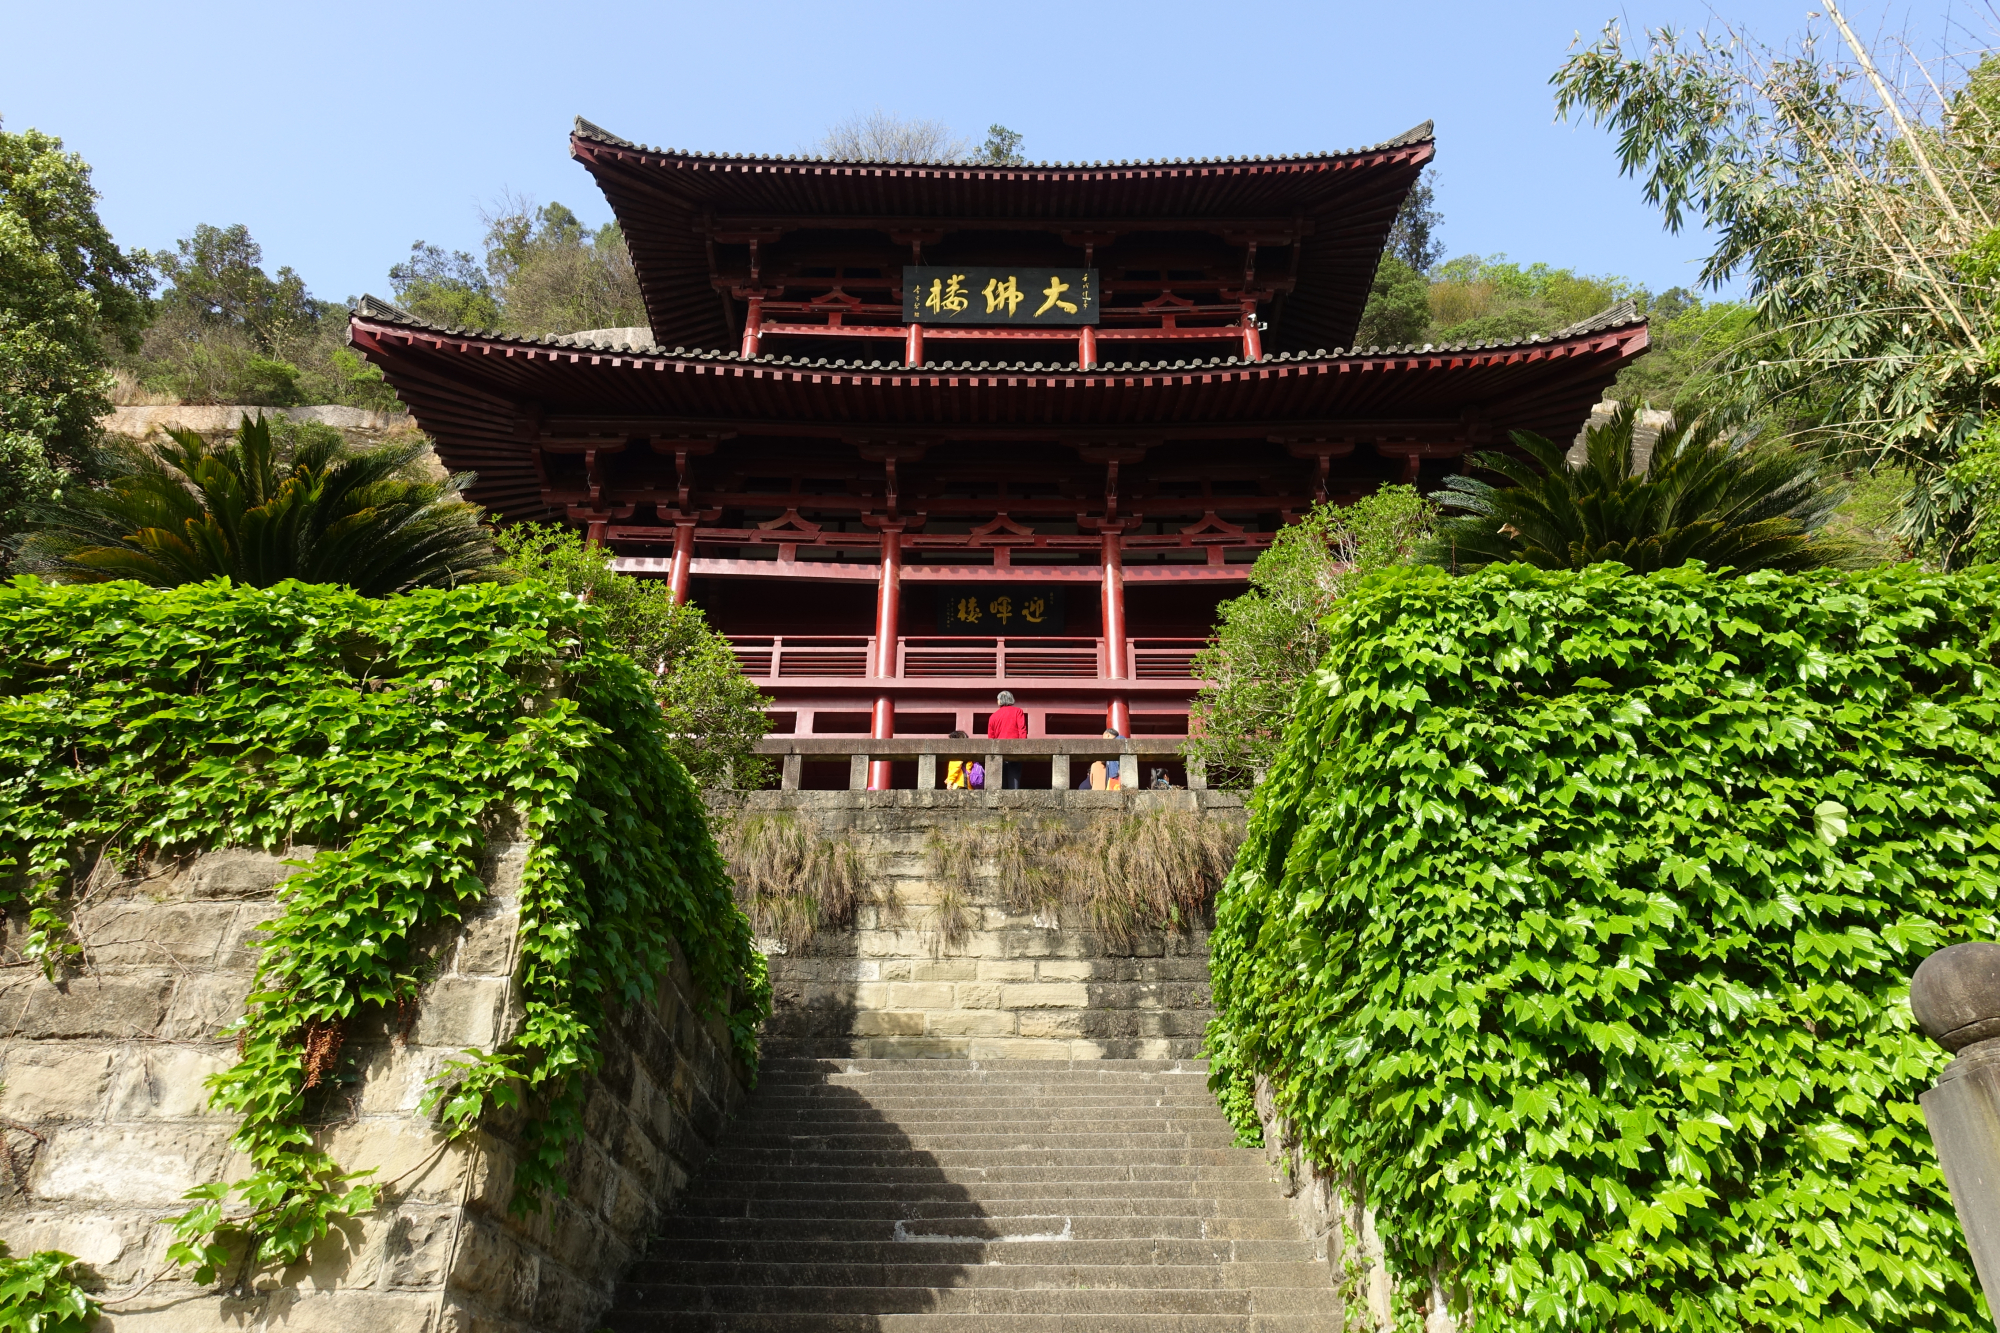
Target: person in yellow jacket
{"type": "Point", "coordinates": [959, 772]}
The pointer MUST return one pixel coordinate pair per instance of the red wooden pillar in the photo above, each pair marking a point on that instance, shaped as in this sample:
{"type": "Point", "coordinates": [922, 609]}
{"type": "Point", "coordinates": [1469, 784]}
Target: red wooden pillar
{"type": "Point", "coordinates": [677, 577]}
{"type": "Point", "coordinates": [913, 353]}
{"type": "Point", "coordinates": [1253, 343]}
{"type": "Point", "coordinates": [1086, 347]}
{"type": "Point", "coordinates": [753, 327]}
{"type": "Point", "coordinates": [1118, 713]}
{"type": "Point", "coordinates": [888, 599]}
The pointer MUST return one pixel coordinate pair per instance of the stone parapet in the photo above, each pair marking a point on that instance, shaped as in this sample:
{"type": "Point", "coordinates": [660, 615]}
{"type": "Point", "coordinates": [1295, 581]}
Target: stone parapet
{"type": "Point", "coordinates": [106, 1124]}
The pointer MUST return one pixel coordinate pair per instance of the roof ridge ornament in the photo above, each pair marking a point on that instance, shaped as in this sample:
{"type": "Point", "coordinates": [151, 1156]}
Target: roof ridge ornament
{"type": "Point", "coordinates": [599, 133]}
{"type": "Point", "coordinates": [1623, 312]}
{"type": "Point", "coordinates": [374, 307]}
{"type": "Point", "coordinates": [1415, 134]}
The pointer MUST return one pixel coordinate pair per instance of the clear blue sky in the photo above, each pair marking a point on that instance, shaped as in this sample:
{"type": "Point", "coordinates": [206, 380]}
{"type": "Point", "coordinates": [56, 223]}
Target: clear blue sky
{"type": "Point", "coordinates": [341, 133]}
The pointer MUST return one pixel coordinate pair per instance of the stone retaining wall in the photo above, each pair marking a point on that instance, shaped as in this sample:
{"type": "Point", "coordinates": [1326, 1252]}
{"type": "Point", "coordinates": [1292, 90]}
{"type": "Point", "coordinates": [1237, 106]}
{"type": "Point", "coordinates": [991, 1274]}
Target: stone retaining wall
{"type": "Point", "coordinates": [1013, 987]}
{"type": "Point", "coordinates": [140, 422]}
{"type": "Point", "coordinates": [104, 1119]}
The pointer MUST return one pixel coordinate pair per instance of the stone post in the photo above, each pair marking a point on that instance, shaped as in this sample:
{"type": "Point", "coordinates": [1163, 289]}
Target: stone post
{"type": "Point", "coordinates": [1955, 995]}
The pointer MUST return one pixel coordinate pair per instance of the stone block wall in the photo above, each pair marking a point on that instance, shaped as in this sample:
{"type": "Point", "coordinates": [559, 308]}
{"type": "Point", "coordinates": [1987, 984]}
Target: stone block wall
{"type": "Point", "coordinates": [1013, 987]}
{"type": "Point", "coordinates": [105, 1124]}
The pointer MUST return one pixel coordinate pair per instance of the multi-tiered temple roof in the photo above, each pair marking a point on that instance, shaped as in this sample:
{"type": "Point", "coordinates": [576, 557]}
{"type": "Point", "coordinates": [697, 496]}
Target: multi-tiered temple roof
{"type": "Point", "coordinates": [793, 420]}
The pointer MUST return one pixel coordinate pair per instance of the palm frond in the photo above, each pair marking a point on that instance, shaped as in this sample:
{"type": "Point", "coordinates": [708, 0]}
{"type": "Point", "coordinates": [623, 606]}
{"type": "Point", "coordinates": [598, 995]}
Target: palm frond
{"type": "Point", "coordinates": [184, 512]}
{"type": "Point", "coordinates": [1724, 500]}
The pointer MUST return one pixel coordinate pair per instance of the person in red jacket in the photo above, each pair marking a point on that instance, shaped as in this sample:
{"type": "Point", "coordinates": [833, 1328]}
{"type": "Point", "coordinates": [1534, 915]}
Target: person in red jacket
{"type": "Point", "coordinates": [1008, 723]}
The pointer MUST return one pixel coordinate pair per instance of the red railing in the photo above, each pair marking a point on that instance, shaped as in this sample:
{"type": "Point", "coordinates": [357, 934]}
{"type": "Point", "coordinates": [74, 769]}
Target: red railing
{"type": "Point", "coordinates": [777, 657]}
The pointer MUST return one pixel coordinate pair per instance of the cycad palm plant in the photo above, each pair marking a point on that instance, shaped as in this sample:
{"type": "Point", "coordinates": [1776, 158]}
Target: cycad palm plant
{"type": "Point", "coordinates": [1726, 502]}
{"type": "Point", "coordinates": [184, 513]}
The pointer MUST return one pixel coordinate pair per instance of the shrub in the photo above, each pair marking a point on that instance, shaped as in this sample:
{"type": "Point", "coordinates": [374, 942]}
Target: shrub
{"type": "Point", "coordinates": [1575, 925]}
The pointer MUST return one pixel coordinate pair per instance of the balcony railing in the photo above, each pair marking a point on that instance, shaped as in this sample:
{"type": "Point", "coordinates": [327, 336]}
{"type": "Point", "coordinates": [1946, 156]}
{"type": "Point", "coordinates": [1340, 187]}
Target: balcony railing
{"type": "Point", "coordinates": [1058, 752]}
{"type": "Point", "coordinates": [785, 656]}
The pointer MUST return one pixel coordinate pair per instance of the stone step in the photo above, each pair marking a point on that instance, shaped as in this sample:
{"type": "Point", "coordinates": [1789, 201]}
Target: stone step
{"type": "Point", "coordinates": [821, 1099]}
{"type": "Point", "coordinates": [840, 1203]}
{"type": "Point", "coordinates": [993, 1118]}
{"type": "Point", "coordinates": [646, 1322]}
{"type": "Point", "coordinates": [1308, 1275]}
{"type": "Point", "coordinates": [897, 1136]}
{"type": "Point", "coordinates": [1130, 1152]}
{"type": "Point", "coordinates": [835, 1069]}
{"type": "Point", "coordinates": [977, 1227]}
{"type": "Point", "coordinates": [983, 1300]}
{"type": "Point", "coordinates": [958, 1196]}
{"type": "Point", "coordinates": [935, 1173]}
{"type": "Point", "coordinates": [1041, 1252]}
{"type": "Point", "coordinates": [988, 1193]}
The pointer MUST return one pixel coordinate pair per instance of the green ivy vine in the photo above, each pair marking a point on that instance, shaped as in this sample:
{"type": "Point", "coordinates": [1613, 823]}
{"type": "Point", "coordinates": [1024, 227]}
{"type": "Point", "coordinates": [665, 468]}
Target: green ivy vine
{"type": "Point", "coordinates": [393, 735]}
{"type": "Point", "coordinates": [39, 1293]}
{"type": "Point", "coordinates": [1576, 921]}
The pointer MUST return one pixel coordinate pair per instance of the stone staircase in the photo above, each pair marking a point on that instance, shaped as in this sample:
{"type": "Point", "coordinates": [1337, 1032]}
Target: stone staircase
{"type": "Point", "coordinates": [940, 1196]}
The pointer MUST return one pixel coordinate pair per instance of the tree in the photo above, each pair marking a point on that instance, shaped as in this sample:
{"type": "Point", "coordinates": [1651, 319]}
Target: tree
{"type": "Point", "coordinates": [1002, 146]}
{"type": "Point", "coordinates": [879, 136]}
{"type": "Point", "coordinates": [1270, 639]}
{"type": "Point", "coordinates": [1728, 503]}
{"type": "Point", "coordinates": [224, 331]}
{"type": "Point", "coordinates": [1398, 312]}
{"type": "Point", "coordinates": [714, 713]}
{"type": "Point", "coordinates": [1413, 238]}
{"type": "Point", "coordinates": [1858, 213]}
{"type": "Point", "coordinates": [552, 274]}
{"type": "Point", "coordinates": [69, 301]}
{"type": "Point", "coordinates": [451, 289]}
{"type": "Point", "coordinates": [319, 512]}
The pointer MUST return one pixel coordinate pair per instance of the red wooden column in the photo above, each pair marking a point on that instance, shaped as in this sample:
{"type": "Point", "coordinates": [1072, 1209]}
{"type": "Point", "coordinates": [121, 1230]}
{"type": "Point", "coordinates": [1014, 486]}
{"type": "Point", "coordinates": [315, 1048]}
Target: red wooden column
{"type": "Point", "coordinates": [1118, 712]}
{"type": "Point", "coordinates": [913, 351]}
{"type": "Point", "coordinates": [753, 328]}
{"type": "Point", "coordinates": [1253, 342]}
{"type": "Point", "coordinates": [888, 598]}
{"type": "Point", "coordinates": [677, 577]}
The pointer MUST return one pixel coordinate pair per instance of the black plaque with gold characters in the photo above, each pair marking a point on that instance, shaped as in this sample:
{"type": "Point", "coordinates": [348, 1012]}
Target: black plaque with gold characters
{"type": "Point", "coordinates": [996, 611]}
{"type": "Point", "coordinates": [999, 295]}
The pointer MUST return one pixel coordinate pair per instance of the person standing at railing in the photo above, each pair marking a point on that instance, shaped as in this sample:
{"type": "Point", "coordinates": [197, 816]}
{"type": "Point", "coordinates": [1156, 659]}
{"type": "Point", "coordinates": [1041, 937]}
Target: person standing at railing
{"type": "Point", "coordinates": [1008, 723]}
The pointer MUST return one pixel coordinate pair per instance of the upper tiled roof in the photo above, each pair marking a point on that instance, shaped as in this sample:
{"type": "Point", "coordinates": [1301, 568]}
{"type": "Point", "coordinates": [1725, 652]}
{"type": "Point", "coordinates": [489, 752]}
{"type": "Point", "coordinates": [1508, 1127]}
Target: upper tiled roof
{"type": "Point", "coordinates": [1338, 206]}
{"type": "Point", "coordinates": [1416, 134]}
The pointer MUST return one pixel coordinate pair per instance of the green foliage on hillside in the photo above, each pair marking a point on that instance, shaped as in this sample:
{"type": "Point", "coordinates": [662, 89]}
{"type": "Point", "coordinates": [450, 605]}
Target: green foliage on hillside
{"type": "Point", "coordinates": [1575, 924]}
{"type": "Point", "coordinates": [224, 331]}
{"type": "Point", "coordinates": [70, 300]}
{"type": "Point", "coordinates": [543, 272]}
{"type": "Point", "coordinates": [393, 735]}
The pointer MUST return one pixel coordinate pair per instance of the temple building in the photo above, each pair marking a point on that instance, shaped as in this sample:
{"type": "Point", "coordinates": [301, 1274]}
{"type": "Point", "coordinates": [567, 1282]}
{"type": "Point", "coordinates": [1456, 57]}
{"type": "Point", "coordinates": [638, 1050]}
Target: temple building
{"type": "Point", "coordinates": [913, 433]}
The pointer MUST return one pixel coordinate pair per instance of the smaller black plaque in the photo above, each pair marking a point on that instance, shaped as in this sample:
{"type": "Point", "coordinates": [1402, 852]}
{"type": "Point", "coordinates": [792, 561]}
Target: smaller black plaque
{"type": "Point", "coordinates": [998, 611]}
{"type": "Point", "coordinates": [933, 295]}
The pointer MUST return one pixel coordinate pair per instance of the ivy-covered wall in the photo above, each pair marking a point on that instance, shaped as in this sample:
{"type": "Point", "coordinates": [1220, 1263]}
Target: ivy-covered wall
{"type": "Point", "coordinates": [396, 736]}
{"type": "Point", "coordinates": [1574, 929]}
